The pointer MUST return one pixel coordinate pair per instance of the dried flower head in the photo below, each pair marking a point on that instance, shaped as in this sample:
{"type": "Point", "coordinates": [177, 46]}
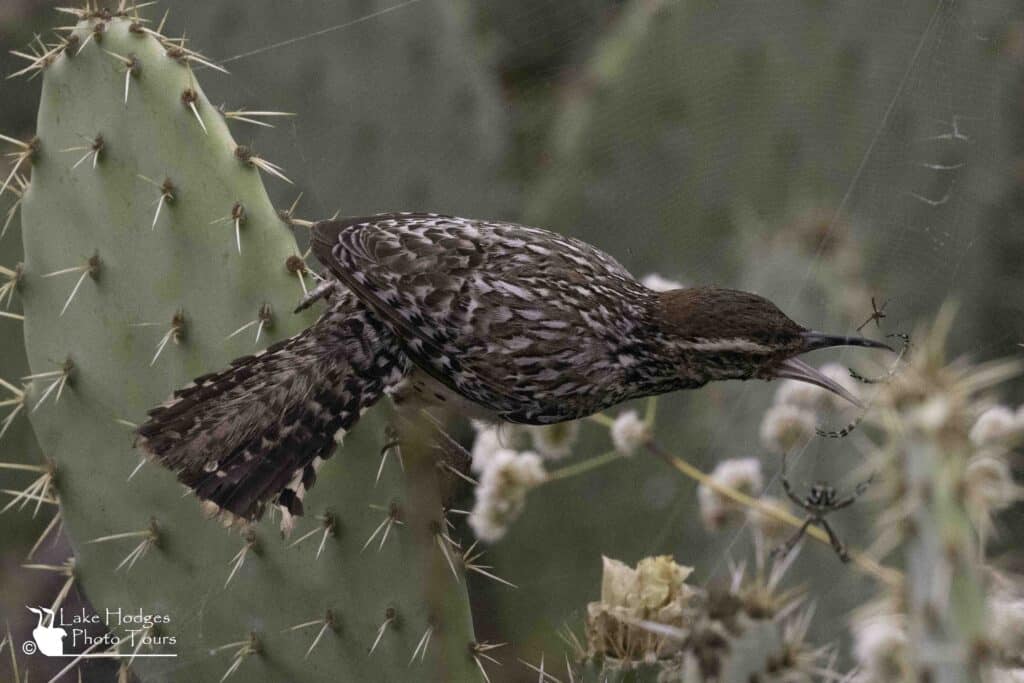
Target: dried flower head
{"type": "Point", "coordinates": [490, 439]}
{"type": "Point", "coordinates": [655, 591]}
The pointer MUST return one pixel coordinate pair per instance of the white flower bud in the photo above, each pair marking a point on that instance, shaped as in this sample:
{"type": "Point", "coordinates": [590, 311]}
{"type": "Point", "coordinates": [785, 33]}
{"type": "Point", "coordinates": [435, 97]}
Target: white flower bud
{"type": "Point", "coordinates": [786, 427]}
{"type": "Point", "coordinates": [491, 438]}
{"type": "Point", "coordinates": [1006, 623]}
{"type": "Point", "coordinates": [629, 432]}
{"type": "Point", "coordinates": [555, 442]}
{"type": "Point", "coordinates": [501, 495]}
{"type": "Point", "coordinates": [996, 675]}
{"type": "Point", "coordinates": [989, 484]}
{"type": "Point", "coordinates": [742, 474]}
{"type": "Point", "coordinates": [880, 646]}
{"type": "Point", "coordinates": [932, 415]}
{"type": "Point", "coordinates": [996, 426]}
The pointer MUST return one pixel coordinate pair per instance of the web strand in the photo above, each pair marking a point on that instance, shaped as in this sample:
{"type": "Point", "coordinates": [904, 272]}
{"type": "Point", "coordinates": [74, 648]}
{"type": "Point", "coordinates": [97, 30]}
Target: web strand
{"type": "Point", "coordinates": [715, 442]}
{"type": "Point", "coordinates": [316, 34]}
{"type": "Point", "coordinates": [922, 41]}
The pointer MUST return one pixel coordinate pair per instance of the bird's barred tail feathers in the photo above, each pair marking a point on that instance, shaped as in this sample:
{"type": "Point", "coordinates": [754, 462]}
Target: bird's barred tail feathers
{"type": "Point", "coordinates": [257, 432]}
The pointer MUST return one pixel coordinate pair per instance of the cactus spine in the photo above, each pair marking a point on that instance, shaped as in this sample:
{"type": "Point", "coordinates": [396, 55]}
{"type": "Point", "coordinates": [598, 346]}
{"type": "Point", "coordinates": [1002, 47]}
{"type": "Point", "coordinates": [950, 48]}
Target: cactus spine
{"type": "Point", "coordinates": [152, 255]}
{"type": "Point", "coordinates": [947, 475]}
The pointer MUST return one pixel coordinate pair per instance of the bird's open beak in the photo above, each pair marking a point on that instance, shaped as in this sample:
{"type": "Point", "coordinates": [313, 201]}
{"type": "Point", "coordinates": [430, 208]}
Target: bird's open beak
{"type": "Point", "coordinates": [794, 368]}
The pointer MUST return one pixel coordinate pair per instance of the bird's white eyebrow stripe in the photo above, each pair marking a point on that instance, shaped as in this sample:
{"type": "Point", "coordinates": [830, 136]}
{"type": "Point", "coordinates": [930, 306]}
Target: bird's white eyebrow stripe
{"type": "Point", "coordinates": [737, 344]}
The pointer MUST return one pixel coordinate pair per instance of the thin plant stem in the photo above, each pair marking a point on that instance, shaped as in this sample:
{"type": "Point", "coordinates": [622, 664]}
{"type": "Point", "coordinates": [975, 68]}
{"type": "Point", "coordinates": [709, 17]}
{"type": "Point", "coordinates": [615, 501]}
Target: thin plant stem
{"type": "Point", "coordinates": [651, 412]}
{"type": "Point", "coordinates": [887, 575]}
{"type": "Point", "coordinates": [581, 467]}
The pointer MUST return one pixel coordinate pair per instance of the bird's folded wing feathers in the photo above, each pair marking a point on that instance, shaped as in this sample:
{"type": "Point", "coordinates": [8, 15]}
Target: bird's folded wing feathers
{"type": "Point", "coordinates": [502, 313]}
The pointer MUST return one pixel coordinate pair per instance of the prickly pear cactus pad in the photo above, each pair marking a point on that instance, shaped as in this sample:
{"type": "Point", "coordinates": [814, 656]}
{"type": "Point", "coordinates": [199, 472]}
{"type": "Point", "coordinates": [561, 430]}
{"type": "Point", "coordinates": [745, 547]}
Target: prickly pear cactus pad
{"type": "Point", "coordinates": [413, 115]}
{"type": "Point", "coordinates": [853, 519]}
{"type": "Point", "coordinates": [153, 255]}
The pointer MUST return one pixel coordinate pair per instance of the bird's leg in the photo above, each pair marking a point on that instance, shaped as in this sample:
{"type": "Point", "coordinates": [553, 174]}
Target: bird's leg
{"type": "Point", "coordinates": [321, 291]}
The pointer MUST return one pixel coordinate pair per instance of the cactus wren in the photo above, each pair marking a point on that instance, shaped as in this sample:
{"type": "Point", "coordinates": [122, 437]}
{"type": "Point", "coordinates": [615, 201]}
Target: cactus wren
{"type": "Point", "coordinates": [498, 320]}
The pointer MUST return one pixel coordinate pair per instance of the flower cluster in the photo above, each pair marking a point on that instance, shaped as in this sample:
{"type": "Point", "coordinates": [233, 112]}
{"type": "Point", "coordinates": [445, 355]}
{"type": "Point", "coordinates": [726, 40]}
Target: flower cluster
{"type": "Point", "coordinates": [649, 618]}
{"type": "Point", "coordinates": [988, 483]}
{"type": "Point", "coordinates": [506, 476]}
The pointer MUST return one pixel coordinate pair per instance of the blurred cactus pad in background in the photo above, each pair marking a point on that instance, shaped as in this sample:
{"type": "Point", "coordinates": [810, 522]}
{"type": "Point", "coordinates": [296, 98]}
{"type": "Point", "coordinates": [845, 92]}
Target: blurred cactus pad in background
{"type": "Point", "coordinates": [859, 163]}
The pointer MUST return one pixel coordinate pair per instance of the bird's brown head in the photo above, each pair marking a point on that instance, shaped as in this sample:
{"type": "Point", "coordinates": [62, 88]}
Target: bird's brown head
{"type": "Point", "coordinates": [731, 334]}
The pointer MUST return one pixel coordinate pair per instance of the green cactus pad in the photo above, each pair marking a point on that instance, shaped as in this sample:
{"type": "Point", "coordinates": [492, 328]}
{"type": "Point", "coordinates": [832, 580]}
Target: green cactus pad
{"type": "Point", "coordinates": [156, 300]}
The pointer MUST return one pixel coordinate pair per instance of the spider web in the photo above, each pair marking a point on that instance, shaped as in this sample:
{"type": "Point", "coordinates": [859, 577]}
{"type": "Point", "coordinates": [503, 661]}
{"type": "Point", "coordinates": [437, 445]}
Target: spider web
{"type": "Point", "coordinates": [875, 157]}
{"type": "Point", "coordinates": [890, 138]}
{"type": "Point", "coordinates": [872, 156]}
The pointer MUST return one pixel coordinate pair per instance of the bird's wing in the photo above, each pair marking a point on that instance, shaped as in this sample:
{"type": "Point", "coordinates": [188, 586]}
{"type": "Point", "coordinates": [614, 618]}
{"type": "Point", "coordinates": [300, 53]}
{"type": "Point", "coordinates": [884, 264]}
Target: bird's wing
{"type": "Point", "coordinates": [518, 319]}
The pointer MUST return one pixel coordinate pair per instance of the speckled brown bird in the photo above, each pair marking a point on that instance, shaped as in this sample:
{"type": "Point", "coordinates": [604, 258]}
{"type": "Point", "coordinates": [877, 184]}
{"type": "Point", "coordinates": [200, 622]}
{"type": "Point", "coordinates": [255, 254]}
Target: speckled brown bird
{"type": "Point", "coordinates": [497, 320]}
